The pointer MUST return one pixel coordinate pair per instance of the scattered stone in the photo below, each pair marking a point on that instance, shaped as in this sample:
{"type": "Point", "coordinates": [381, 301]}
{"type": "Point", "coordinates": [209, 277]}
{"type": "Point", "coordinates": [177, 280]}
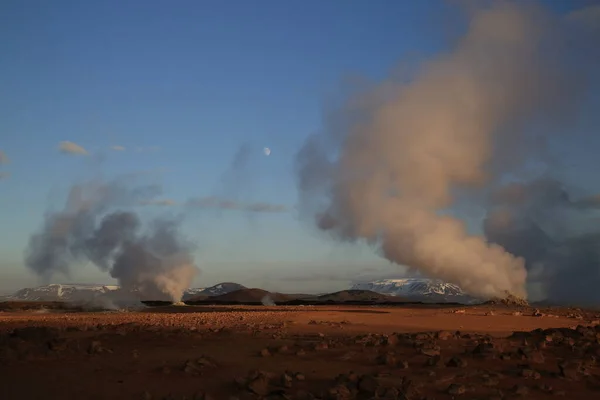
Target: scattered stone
{"type": "Point", "coordinates": [570, 369]}
{"type": "Point", "coordinates": [530, 374]}
{"type": "Point", "coordinates": [456, 362]}
{"type": "Point", "coordinates": [265, 353]}
{"type": "Point", "coordinates": [368, 384]}
{"type": "Point", "coordinates": [282, 349]}
{"type": "Point", "coordinates": [286, 380]}
{"type": "Point", "coordinates": [95, 347]}
{"type": "Point", "coordinates": [520, 390]}
{"type": "Point", "coordinates": [444, 335]}
{"type": "Point", "coordinates": [258, 383]}
{"type": "Point", "coordinates": [430, 352]}
{"type": "Point", "coordinates": [433, 361]}
{"type": "Point", "coordinates": [340, 392]}
{"type": "Point", "coordinates": [456, 389]}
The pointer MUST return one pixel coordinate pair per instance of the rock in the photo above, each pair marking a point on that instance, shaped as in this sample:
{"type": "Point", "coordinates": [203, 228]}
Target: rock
{"type": "Point", "coordinates": [321, 346]}
{"type": "Point", "coordinates": [570, 369]}
{"type": "Point", "coordinates": [35, 333]}
{"type": "Point", "coordinates": [392, 340]}
{"type": "Point", "coordinates": [520, 390]}
{"type": "Point", "coordinates": [340, 392]}
{"type": "Point", "coordinates": [444, 335]}
{"type": "Point", "coordinates": [286, 380]}
{"type": "Point", "coordinates": [282, 349]}
{"type": "Point", "coordinates": [95, 347]}
{"type": "Point", "coordinates": [300, 353]}
{"type": "Point", "coordinates": [456, 362]}
{"type": "Point", "coordinates": [485, 350]}
{"type": "Point", "coordinates": [388, 359]}
{"type": "Point", "coordinates": [265, 353]}
{"type": "Point", "coordinates": [433, 361]}
{"type": "Point", "coordinates": [258, 383]}
{"type": "Point", "coordinates": [430, 352]}
{"type": "Point", "coordinates": [368, 384]}
{"type": "Point", "coordinates": [456, 389]}
{"type": "Point", "coordinates": [530, 374]}
{"type": "Point", "coordinates": [490, 381]}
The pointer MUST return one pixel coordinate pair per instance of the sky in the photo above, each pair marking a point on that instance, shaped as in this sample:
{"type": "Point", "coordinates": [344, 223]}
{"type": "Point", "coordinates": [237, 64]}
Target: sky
{"type": "Point", "coordinates": [172, 91]}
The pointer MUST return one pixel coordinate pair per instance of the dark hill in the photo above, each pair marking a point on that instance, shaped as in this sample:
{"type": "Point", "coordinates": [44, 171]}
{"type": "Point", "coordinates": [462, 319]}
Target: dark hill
{"type": "Point", "coordinates": [357, 296]}
{"type": "Point", "coordinates": [245, 296]}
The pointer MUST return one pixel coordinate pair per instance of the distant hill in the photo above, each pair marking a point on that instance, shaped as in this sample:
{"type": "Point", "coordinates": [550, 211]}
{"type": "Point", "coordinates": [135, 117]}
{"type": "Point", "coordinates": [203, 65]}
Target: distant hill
{"type": "Point", "coordinates": [221, 289]}
{"type": "Point", "coordinates": [356, 295]}
{"type": "Point", "coordinates": [251, 296]}
{"type": "Point", "coordinates": [216, 290]}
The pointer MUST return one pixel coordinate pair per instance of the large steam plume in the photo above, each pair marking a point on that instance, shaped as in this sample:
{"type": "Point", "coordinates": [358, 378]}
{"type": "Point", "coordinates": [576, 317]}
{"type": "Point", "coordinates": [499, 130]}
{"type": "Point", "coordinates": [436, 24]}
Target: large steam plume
{"type": "Point", "coordinates": [154, 262]}
{"type": "Point", "coordinates": [390, 167]}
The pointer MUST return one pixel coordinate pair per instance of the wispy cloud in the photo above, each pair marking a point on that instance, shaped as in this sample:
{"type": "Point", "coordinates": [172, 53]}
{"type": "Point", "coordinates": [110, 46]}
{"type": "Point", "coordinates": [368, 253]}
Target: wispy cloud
{"type": "Point", "coordinates": [4, 158]}
{"type": "Point", "coordinates": [224, 204]}
{"type": "Point", "coordinates": [158, 202]}
{"type": "Point", "coordinates": [72, 148]}
{"type": "Point", "coordinates": [118, 148]}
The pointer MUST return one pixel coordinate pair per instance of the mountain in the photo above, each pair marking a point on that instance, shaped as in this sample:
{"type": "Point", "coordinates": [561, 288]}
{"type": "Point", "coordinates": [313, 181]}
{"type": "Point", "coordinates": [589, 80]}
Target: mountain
{"type": "Point", "coordinates": [78, 293]}
{"type": "Point", "coordinates": [58, 292]}
{"type": "Point", "coordinates": [419, 289]}
{"type": "Point", "coordinates": [357, 295]}
{"type": "Point", "coordinates": [220, 289]}
{"type": "Point", "coordinates": [251, 296]}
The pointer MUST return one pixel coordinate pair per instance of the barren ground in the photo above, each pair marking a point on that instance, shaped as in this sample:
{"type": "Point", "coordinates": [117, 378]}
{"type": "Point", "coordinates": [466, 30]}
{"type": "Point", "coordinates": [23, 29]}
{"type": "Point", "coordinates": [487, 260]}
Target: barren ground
{"type": "Point", "coordinates": [322, 352]}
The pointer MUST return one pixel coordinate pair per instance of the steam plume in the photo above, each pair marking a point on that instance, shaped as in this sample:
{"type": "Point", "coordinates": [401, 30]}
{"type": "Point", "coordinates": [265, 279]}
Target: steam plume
{"type": "Point", "coordinates": [389, 168]}
{"type": "Point", "coordinates": [155, 261]}
{"type": "Point", "coordinates": [557, 235]}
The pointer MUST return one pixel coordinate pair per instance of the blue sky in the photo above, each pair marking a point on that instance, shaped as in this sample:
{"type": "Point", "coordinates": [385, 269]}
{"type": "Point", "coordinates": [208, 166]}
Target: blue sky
{"type": "Point", "coordinates": [181, 85]}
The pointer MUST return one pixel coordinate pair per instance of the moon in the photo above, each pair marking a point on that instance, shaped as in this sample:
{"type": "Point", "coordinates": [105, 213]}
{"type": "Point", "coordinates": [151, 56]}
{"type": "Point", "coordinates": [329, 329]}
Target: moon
{"type": "Point", "coordinates": [267, 151]}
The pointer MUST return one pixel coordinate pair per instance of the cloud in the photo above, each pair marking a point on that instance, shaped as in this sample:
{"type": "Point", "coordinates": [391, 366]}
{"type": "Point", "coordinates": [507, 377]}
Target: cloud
{"type": "Point", "coordinates": [158, 202]}
{"type": "Point", "coordinates": [4, 158]}
{"type": "Point", "coordinates": [118, 148]}
{"type": "Point", "coordinates": [72, 148]}
{"type": "Point", "coordinates": [224, 204]}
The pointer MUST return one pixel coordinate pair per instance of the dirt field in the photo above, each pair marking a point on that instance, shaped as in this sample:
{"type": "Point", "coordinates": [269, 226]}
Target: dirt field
{"type": "Point", "coordinates": [324, 352]}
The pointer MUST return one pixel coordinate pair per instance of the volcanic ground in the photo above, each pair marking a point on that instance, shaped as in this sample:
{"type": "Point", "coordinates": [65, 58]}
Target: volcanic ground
{"type": "Point", "coordinates": [301, 352]}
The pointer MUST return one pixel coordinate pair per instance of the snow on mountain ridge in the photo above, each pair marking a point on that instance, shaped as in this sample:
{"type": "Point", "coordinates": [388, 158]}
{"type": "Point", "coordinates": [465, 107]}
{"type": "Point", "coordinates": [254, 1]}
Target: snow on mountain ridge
{"type": "Point", "coordinates": [73, 292]}
{"type": "Point", "coordinates": [418, 289]}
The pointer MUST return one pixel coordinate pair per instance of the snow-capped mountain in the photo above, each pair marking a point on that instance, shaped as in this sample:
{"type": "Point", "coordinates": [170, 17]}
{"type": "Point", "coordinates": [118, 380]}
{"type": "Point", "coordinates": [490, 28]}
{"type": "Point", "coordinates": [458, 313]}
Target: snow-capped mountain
{"type": "Point", "coordinates": [76, 293]}
{"type": "Point", "coordinates": [221, 288]}
{"type": "Point", "coordinates": [92, 293]}
{"type": "Point", "coordinates": [59, 292]}
{"type": "Point", "coordinates": [418, 289]}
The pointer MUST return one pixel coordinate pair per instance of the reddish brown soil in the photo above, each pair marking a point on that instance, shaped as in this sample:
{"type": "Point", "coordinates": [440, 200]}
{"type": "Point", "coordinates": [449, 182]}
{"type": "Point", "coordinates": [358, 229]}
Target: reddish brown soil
{"type": "Point", "coordinates": [143, 355]}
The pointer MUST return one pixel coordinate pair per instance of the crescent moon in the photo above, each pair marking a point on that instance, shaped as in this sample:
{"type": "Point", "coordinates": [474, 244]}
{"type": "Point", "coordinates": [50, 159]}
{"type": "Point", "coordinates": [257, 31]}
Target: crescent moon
{"type": "Point", "coordinates": [267, 151]}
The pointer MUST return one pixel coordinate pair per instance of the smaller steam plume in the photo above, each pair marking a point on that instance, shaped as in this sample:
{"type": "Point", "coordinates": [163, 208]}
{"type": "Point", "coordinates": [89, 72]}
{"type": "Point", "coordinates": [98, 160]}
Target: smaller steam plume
{"type": "Point", "coordinates": [151, 260]}
{"type": "Point", "coordinates": [557, 235]}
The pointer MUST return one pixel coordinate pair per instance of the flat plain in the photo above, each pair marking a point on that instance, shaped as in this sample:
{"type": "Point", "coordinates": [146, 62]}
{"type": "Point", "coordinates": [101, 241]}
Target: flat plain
{"type": "Point", "coordinates": [306, 352]}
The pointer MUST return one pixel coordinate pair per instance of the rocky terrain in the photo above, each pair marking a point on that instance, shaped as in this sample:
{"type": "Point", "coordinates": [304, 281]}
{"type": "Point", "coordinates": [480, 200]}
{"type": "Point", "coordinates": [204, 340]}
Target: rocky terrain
{"type": "Point", "coordinates": [489, 352]}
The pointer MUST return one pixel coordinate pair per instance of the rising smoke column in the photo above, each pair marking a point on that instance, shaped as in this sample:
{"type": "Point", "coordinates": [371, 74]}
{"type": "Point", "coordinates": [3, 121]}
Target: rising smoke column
{"type": "Point", "coordinates": [389, 170]}
{"type": "Point", "coordinates": [153, 261]}
{"type": "Point", "coordinates": [558, 235]}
